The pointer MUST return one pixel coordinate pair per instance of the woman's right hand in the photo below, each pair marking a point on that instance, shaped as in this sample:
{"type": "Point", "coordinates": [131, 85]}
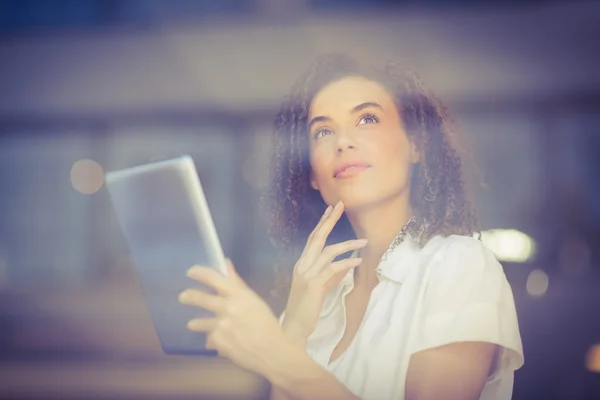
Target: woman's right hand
{"type": "Point", "coordinates": [315, 274]}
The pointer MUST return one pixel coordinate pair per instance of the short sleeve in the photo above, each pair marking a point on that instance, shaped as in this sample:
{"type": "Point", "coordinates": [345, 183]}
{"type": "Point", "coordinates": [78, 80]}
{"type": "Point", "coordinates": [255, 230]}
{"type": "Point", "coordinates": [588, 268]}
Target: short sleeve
{"type": "Point", "coordinates": [467, 298]}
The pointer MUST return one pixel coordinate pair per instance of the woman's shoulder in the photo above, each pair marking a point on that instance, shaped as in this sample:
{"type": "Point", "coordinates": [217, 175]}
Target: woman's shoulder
{"type": "Point", "coordinates": [440, 243]}
{"type": "Point", "coordinates": [467, 298]}
{"type": "Point", "coordinates": [459, 254]}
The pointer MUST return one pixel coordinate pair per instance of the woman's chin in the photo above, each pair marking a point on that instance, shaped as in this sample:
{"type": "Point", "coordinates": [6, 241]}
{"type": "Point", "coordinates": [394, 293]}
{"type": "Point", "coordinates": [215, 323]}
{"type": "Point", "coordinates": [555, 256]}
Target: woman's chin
{"type": "Point", "coordinates": [356, 204]}
{"type": "Point", "coordinates": [369, 201]}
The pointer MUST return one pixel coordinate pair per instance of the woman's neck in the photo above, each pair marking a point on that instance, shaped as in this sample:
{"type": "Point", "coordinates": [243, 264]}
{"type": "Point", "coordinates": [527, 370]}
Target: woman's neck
{"type": "Point", "coordinates": [379, 224]}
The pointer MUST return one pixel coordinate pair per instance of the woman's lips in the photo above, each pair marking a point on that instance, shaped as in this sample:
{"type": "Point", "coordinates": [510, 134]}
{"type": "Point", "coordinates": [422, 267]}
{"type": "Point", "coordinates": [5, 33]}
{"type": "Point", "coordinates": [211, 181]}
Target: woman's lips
{"type": "Point", "coordinates": [351, 171]}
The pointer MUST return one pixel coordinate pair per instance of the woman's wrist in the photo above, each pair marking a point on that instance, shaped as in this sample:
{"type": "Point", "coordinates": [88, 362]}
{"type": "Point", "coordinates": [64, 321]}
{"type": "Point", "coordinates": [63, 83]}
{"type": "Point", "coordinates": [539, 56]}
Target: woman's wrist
{"type": "Point", "coordinates": [296, 339]}
{"type": "Point", "coordinates": [289, 367]}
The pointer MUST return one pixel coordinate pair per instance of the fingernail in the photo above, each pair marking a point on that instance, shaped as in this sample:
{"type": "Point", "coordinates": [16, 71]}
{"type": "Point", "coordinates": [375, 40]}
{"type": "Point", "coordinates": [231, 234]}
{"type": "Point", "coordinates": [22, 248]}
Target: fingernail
{"type": "Point", "coordinates": [362, 241]}
{"type": "Point", "coordinates": [182, 296]}
{"type": "Point", "coordinates": [192, 271]}
{"type": "Point", "coordinates": [338, 205]}
{"type": "Point", "coordinates": [193, 324]}
{"type": "Point", "coordinates": [328, 210]}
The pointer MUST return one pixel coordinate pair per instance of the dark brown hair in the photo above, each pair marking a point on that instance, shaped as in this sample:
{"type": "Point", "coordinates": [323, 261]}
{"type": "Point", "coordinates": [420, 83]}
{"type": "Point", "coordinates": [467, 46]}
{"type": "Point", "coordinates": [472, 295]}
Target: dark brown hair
{"type": "Point", "coordinates": [438, 190]}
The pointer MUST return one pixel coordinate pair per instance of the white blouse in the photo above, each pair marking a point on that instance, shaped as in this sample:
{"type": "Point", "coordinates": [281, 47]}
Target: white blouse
{"type": "Point", "coordinates": [452, 290]}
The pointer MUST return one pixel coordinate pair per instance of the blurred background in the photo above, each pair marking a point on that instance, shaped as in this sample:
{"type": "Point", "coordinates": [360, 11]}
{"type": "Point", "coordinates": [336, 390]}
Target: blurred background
{"type": "Point", "coordinates": [88, 86]}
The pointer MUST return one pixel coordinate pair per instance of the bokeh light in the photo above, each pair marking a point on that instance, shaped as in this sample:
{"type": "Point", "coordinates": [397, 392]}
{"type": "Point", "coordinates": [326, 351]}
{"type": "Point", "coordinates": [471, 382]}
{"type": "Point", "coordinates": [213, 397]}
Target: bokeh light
{"type": "Point", "coordinates": [593, 359]}
{"type": "Point", "coordinates": [537, 283]}
{"type": "Point", "coordinates": [509, 245]}
{"type": "Point", "coordinates": [87, 176]}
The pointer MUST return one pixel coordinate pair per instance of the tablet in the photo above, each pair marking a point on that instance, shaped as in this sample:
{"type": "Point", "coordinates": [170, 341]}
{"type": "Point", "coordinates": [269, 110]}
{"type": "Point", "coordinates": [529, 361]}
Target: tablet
{"type": "Point", "coordinates": [164, 217]}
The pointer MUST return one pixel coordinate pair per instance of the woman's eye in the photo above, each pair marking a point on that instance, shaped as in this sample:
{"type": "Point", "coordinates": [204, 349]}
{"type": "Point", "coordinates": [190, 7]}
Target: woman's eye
{"type": "Point", "coordinates": [368, 119]}
{"type": "Point", "coordinates": [322, 132]}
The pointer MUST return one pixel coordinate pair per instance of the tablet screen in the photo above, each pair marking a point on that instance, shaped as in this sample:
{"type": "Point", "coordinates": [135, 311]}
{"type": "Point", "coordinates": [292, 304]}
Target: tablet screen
{"type": "Point", "coordinates": [165, 219]}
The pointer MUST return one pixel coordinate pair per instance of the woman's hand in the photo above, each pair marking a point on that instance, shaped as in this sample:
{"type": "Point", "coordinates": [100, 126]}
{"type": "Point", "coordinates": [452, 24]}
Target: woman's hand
{"type": "Point", "coordinates": [314, 276]}
{"type": "Point", "coordinates": [244, 328]}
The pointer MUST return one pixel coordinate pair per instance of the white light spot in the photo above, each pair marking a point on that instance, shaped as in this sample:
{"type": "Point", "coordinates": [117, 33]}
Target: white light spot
{"type": "Point", "coordinates": [509, 245]}
{"type": "Point", "coordinates": [537, 283]}
{"type": "Point", "coordinates": [87, 176]}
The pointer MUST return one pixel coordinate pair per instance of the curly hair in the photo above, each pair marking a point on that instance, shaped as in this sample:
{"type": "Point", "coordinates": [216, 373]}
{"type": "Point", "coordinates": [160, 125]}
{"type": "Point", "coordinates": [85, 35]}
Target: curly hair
{"type": "Point", "coordinates": [438, 194]}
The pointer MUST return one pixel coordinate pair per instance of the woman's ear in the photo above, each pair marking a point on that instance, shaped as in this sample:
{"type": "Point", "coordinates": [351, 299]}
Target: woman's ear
{"type": "Point", "coordinates": [415, 156]}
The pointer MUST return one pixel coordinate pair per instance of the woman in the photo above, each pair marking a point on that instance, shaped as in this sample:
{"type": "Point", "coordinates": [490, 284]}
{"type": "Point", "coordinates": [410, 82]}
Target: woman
{"type": "Point", "coordinates": [420, 309]}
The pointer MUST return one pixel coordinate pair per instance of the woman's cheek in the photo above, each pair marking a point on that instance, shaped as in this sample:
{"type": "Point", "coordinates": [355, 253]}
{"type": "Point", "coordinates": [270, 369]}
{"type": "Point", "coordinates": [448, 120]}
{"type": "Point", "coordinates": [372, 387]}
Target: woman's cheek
{"type": "Point", "coordinates": [319, 162]}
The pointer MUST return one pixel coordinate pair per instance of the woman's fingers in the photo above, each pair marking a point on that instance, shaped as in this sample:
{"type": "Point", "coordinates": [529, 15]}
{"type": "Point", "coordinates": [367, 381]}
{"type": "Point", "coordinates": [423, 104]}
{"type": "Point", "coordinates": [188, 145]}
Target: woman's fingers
{"type": "Point", "coordinates": [334, 250]}
{"type": "Point", "coordinates": [202, 324]}
{"type": "Point", "coordinates": [335, 271]}
{"type": "Point", "coordinates": [318, 237]}
{"type": "Point", "coordinates": [198, 298]}
{"type": "Point", "coordinates": [326, 214]}
{"type": "Point", "coordinates": [234, 276]}
{"type": "Point", "coordinates": [212, 278]}
{"type": "Point", "coordinates": [331, 252]}
{"type": "Point", "coordinates": [324, 228]}
{"type": "Point", "coordinates": [212, 343]}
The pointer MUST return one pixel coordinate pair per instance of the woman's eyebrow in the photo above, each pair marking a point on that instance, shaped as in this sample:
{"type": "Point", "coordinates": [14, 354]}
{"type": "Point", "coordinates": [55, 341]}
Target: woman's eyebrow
{"type": "Point", "coordinates": [321, 118]}
{"type": "Point", "coordinates": [368, 104]}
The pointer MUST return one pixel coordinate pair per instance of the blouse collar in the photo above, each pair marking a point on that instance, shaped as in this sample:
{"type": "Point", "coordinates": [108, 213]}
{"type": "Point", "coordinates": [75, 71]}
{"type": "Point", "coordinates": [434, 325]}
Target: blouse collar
{"type": "Point", "coordinates": [394, 266]}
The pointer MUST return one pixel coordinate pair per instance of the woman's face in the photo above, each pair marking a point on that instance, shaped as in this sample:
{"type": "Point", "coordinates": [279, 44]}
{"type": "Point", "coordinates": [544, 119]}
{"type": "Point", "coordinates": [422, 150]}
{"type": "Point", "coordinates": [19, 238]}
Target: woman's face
{"type": "Point", "coordinates": [359, 150]}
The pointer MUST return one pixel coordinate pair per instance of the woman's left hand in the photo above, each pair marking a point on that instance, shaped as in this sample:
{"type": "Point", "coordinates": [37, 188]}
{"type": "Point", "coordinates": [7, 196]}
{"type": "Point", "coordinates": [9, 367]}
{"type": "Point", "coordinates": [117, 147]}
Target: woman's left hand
{"type": "Point", "coordinates": [244, 328]}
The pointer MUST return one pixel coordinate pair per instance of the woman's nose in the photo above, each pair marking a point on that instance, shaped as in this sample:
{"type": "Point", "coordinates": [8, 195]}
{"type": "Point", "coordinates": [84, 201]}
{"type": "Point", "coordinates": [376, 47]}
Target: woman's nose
{"type": "Point", "coordinates": [344, 148]}
{"type": "Point", "coordinates": [345, 142]}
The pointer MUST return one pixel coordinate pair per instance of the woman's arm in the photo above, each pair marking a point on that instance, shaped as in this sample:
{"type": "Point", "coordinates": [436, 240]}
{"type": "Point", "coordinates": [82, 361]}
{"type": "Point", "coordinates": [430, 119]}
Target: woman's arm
{"type": "Point", "coordinates": [278, 393]}
{"type": "Point", "coordinates": [294, 375]}
{"type": "Point", "coordinates": [453, 371]}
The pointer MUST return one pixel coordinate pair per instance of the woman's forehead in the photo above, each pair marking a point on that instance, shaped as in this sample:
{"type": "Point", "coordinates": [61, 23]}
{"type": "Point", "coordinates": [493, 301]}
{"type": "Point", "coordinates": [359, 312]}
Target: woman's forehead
{"type": "Point", "coordinates": [346, 93]}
